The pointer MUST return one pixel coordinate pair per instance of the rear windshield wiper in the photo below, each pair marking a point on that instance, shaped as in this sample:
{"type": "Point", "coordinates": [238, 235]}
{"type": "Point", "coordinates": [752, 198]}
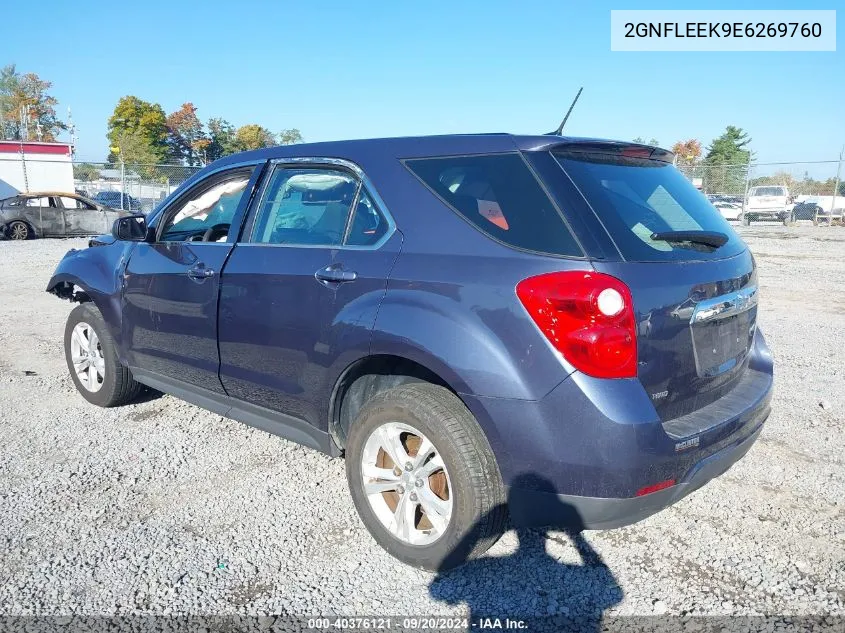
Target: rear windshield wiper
{"type": "Point", "coordinates": [708, 238]}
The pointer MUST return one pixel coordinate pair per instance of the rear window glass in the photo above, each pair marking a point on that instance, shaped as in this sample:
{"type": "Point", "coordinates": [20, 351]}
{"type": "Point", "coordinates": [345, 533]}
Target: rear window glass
{"type": "Point", "coordinates": [499, 195]}
{"type": "Point", "coordinates": [767, 191]}
{"type": "Point", "coordinates": [636, 198]}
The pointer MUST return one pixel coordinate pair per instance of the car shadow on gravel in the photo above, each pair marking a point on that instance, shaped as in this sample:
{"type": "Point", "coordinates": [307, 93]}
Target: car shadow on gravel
{"type": "Point", "coordinates": [530, 584]}
{"type": "Point", "coordinates": [147, 395]}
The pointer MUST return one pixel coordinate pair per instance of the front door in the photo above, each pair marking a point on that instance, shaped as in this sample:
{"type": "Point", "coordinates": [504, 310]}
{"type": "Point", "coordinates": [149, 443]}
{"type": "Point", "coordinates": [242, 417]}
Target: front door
{"type": "Point", "coordinates": [83, 218]}
{"type": "Point", "coordinates": [171, 285]}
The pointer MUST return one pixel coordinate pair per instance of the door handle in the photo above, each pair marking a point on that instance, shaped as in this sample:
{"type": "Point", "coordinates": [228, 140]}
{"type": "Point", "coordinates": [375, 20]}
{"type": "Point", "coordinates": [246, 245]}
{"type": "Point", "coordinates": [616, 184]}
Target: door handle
{"type": "Point", "coordinates": [335, 274]}
{"type": "Point", "coordinates": [200, 272]}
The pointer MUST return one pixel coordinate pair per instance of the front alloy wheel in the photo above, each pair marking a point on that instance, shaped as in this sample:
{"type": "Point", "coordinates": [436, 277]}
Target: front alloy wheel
{"type": "Point", "coordinates": [92, 361]}
{"type": "Point", "coordinates": [87, 357]}
{"type": "Point", "coordinates": [406, 483]}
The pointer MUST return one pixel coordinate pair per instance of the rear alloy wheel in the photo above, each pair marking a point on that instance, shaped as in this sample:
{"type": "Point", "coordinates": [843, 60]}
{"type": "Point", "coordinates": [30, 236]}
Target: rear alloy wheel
{"type": "Point", "coordinates": [406, 483]}
{"type": "Point", "coordinates": [423, 477]}
{"type": "Point", "coordinates": [19, 231]}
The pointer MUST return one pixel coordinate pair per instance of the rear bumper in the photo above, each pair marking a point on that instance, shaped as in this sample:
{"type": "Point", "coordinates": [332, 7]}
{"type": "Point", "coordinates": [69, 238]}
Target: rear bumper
{"type": "Point", "coordinates": [538, 508]}
{"type": "Point", "coordinates": [767, 214]}
{"type": "Point", "coordinates": [581, 454]}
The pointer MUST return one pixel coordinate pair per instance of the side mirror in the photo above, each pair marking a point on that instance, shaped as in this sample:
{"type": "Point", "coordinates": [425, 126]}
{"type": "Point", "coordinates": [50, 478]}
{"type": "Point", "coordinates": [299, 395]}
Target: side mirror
{"type": "Point", "coordinates": [131, 228]}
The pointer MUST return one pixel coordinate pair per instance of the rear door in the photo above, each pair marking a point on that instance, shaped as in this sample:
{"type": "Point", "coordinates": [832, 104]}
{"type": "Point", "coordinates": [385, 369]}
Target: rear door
{"type": "Point", "coordinates": [696, 303]}
{"type": "Point", "coordinates": [171, 285]}
{"type": "Point", "coordinates": [299, 293]}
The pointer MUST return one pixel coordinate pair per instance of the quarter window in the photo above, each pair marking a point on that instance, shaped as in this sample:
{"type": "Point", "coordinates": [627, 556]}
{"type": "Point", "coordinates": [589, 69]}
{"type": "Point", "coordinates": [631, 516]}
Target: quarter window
{"type": "Point", "coordinates": [368, 224]}
{"type": "Point", "coordinates": [499, 195]}
{"type": "Point", "coordinates": [305, 206]}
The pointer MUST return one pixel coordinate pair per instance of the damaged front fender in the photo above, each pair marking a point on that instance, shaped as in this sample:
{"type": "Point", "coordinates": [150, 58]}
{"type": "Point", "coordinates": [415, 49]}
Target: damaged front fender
{"type": "Point", "coordinates": [94, 274]}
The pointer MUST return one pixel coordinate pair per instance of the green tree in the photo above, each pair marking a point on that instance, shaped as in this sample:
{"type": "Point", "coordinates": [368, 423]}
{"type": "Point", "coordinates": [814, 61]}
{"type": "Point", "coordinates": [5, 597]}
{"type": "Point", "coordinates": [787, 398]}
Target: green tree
{"type": "Point", "coordinates": [289, 137]}
{"type": "Point", "coordinates": [86, 172]}
{"type": "Point", "coordinates": [727, 162]}
{"type": "Point", "coordinates": [253, 136]}
{"type": "Point", "coordinates": [731, 148]}
{"type": "Point", "coordinates": [137, 153]}
{"type": "Point", "coordinates": [186, 140]}
{"type": "Point", "coordinates": [221, 139]}
{"type": "Point", "coordinates": [651, 141]}
{"type": "Point", "coordinates": [142, 126]}
{"type": "Point", "coordinates": [30, 91]}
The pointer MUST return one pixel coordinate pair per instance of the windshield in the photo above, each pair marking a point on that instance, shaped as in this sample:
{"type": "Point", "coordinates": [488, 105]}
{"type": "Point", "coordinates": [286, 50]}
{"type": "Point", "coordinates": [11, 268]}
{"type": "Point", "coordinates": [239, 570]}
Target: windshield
{"type": "Point", "coordinates": [767, 191]}
{"type": "Point", "coordinates": [637, 198]}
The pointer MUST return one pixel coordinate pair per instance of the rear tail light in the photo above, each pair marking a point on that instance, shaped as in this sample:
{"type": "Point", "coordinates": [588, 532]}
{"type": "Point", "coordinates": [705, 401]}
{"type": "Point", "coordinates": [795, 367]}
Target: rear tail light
{"type": "Point", "coordinates": [588, 317]}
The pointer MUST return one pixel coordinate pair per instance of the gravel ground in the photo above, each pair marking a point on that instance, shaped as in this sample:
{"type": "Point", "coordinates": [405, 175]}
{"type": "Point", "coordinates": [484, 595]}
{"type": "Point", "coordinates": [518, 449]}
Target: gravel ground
{"type": "Point", "coordinates": [161, 507]}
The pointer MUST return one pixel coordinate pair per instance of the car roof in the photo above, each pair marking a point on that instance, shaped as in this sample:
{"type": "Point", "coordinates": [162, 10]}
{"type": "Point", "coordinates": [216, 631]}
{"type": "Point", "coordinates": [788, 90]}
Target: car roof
{"type": "Point", "coordinates": [362, 150]}
{"type": "Point", "coordinates": [41, 194]}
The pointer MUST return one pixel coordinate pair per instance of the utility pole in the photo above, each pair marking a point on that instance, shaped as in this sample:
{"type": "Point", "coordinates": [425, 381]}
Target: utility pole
{"type": "Point", "coordinates": [836, 184]}
{"type": "Point", "coordinates": [24, 119]}
{"type": "Point", "coordinates": [747, 182]}
{"type": "Point", "coordinates": [71, 126]}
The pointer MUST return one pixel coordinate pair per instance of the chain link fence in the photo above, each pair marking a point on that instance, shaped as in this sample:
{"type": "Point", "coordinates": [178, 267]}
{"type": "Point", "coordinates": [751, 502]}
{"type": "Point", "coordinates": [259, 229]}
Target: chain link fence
{"type": "Point", "coordinates": [129, 186]}
{"type": "Point", "coordinates": [811, 190]}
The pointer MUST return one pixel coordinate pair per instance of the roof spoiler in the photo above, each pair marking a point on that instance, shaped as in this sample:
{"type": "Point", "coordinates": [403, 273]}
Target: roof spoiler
{"type": "Point", "coordinates": [614, 148]}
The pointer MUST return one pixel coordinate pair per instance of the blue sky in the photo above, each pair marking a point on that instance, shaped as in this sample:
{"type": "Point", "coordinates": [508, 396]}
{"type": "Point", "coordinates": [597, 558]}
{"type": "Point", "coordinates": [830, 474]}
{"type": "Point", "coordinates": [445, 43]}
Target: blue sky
{"type": "Point", "coordinates": [361, 69]}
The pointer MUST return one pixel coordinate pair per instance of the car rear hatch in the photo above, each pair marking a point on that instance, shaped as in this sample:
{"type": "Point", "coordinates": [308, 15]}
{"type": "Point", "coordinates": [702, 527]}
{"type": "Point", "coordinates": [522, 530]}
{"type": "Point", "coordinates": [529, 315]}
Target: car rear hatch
{"type": "Point", "coordinates": [766, 202]}
{"type": "Point", "coordinates": [767, 198]}
{"type": "Point", "coordinates": [692, 279]}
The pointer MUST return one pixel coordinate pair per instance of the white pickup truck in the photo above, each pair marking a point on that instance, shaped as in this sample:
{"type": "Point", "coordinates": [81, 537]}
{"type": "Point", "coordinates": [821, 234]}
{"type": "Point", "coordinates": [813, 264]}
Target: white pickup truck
{"type": "Point", "coordinates": [767, 202]}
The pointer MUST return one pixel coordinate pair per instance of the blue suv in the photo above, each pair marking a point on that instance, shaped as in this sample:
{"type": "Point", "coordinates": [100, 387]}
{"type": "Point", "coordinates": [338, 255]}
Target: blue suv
{"type": "Point", "coordinates": [456, 315]}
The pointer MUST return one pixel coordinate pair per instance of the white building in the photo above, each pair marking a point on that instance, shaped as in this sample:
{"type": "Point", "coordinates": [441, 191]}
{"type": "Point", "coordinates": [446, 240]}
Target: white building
{"type": "Point", "coordinates": [34, 166]}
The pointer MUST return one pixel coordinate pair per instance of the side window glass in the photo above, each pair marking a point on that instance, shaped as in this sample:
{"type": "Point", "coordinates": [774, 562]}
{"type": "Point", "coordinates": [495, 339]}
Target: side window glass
{"type": "Point", "coordinates": [75, 203]}
{"type": "Point", "coordinates": [305, 206]}
{"type": "Point", "coordinates": [368, 225]}
{"type": "Point", "coordinates": [38, 202]}
{"type": "Point", "coordinates": [206, 213]}
{"type": "Point", "coordinates": [501, 197]}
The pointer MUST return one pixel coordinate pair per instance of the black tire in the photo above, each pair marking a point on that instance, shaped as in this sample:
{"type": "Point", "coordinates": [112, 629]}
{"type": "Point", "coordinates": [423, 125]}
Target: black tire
{"type": "Point", "coordinates": [479, 512]}
{"type": "Point", "coordinates": [118, 387]}
{"type": "Point", "coordinates": [18, 230]}
{"type": "Point", "coordinates": [745, 219]}
{"type": "Point", "coordinates": [789, 220]}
